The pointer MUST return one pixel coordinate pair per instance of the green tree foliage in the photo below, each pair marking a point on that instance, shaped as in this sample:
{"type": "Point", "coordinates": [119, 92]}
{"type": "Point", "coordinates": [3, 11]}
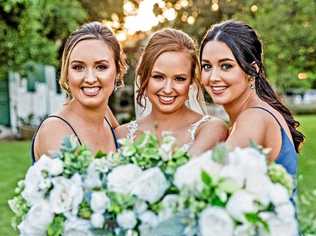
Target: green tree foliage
{"type": "Point", "coordinates": [286, 28]}
{"type": "Point", "coordinates": [33, 30]}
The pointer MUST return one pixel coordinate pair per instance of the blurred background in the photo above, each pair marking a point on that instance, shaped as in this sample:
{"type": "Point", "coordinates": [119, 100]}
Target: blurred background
{"type": "Point", "coordinates": [32, 34]}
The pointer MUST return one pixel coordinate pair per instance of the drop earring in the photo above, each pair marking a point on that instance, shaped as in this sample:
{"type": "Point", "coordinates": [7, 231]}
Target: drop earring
{"type": "Point", "coordinates": [119, 83]}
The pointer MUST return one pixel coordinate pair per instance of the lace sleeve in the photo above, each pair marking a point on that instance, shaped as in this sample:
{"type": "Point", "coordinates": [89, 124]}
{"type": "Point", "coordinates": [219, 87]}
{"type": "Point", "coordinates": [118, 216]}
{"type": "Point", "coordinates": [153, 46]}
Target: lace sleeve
{"type": "Point", "coordinates": [132, 128]}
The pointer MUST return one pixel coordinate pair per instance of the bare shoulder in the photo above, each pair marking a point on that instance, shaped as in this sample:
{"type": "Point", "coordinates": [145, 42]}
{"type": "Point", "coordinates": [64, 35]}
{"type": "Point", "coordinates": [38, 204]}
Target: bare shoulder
{"type": "Point", "coordinates": [250, 125]}
{"type": "Point", "coordinates": [213, 128]}
{"type": "Point", "coordinates": [50, 135]}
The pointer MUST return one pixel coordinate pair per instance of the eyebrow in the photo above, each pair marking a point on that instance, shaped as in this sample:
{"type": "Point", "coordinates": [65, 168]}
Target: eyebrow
{"type": "Point", "coordinates": [221, 60]}
{"type": "Point", "coordinates": [161, 73]}
{"type": "Point", "coordinates": [96, 62]}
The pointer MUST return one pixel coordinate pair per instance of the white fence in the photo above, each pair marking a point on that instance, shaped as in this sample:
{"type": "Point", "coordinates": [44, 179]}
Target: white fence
{"type": "Point", "coordinates": [43, 101]}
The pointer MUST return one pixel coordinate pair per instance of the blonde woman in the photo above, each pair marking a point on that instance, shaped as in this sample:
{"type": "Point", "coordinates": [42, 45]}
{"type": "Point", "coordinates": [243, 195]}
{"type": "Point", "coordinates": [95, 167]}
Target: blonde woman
{"type": "Point", "coordinates": [92, 63]}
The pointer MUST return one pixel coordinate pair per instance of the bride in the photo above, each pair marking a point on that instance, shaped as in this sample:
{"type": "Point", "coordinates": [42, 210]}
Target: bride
{"type": "Point", "coordinates": [169, 96]}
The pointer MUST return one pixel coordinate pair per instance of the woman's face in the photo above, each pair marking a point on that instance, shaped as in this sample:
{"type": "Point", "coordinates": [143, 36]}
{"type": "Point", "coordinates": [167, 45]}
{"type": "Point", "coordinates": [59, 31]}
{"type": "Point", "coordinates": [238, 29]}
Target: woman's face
{"type": "Point", "coordinates": [91, 73]}
{"type": "Point", "coordinates": [222, 77]}
{"type": "Point", "coordinates": [169, 82]}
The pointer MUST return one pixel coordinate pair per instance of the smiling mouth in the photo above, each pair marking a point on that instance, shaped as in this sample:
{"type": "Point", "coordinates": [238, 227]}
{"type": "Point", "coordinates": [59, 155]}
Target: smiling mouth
{"type": "Point", "coordinates": [167, 100]}
{"type": "Point", "coordinates": [218, 90]}
{"type": "Point", "coordinates": [90, 91]}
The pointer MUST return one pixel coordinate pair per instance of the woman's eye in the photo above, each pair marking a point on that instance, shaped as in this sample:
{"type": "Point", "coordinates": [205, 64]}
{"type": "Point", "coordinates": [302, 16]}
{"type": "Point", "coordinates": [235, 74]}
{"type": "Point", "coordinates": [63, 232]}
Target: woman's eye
{"type": "Point", "coordinates": [206, 67]}
{"type": "Point", "coordinates": [157, 77]}
{"type": "Point", "coordinates": [101, 67]}
{"type": "Point", "coordinates": [226, 67]}
{"type": "Point", "coordinates": [77, 67]}
{"type": "Point", "coordinates": [180, 78]}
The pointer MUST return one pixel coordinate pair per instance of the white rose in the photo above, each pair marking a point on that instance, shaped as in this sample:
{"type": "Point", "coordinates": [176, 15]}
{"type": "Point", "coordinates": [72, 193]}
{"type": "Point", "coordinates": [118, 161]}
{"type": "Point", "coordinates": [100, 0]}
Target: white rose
{"type": "Point", "coordinates": [250, 160]}
{"type": "Point", "coordinates": [286, 212]}
{"type": "Point", "coordinates": [149, 218]}
{"type": "Point", "coordinates": [97, 220]}
{"type": "Point", "coordinates": [140, 206]}
{"type": "Point", "coordinates": [77, 227]}
{"type": "Point", "coordinates": [189, 175]}
{"type": "Point", "coordinates": [260, 186]}
{"type": "Point", "coordinates": [66, 195]}
{"type": "Point", "coordinates": [166, 148]}
{"type": "Point", "coordinates": [32, 192]}
{"type": "Point", "coordinates": [245, 230]}
{"type": "Point", "coordinates": [168, 204]}
{"type": "Point", "coordinates": [278, 227]}
{"type": "Point", "coordinates": [151, 185]}
{"type": "Point", "coordinates": [126, 219]}
{"type": "Point", "coordinates": [278, 194]}
{"type": "Point", "coordinates": [53, 166]}
{"type": "Point", "coordinates": [215, 221]}
{"type": "Point", "coordinates": [92, 180]}
{"type": "Point", "coordinates": [240, 203]}
{"type": "Point", "coordinates": [234, 175]}
{"type": "Point", "coordinates": [121, 178]}
{"type": "Point", "coordinates": [99, 202]}
{"type": "Point", "coordinates": [37, 220]}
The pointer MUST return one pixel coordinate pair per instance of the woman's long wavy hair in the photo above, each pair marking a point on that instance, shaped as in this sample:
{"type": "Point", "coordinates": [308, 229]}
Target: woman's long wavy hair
{"type": "Point", "coordinates": [247, 49]}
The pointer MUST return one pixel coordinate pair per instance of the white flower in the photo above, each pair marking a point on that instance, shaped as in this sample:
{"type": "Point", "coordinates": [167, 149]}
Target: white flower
{"type": "Point", "coordinates": [151, 185]}
{"type": "Point", "coordinates": [126, 219]}
{"type": "Point", "coordinates": [97, 220]}
{"type": "Point", "coordinates": [260, 186]}
{"type": "Point", "coordinates": [149, 218]}
{"type": "Point", "coordinates": [250, 160]}
{"type": "Point", "coordinates": [234, 176]}
{"type": "Point", "coordinates": [168, 206]}
{"type": "Point", "coordinates": [92, 179]}
{"type": "Point", "coordinates": [32, 192]}
{"type": "Point", "coordinates": [140, 206]}
{"type": "Point", "coordinates": [121, 178]}
{"type": "Point", "coordinates": [53, 166]}
{"type": "Point", "coordinates": [37, 220]}
{"type": "Point", "coordinates": [278, 194]}
{"type": "Point", "coordinates": [66, 195]}
{"type": "Point", "coordinates": [278, 227]}
{"type": "Point", "coordinates": [99, 202]}
{"type": "Point", "coordinates": [240, 203]}
{"type": "Point", "coordinates": [166, 148]}
{"type": "Point", "coordinates": [189, 175]}
{"type": "Point", "coordinates": [215, 221]}
{"type": "Point", "coordinates": [286, 212]}
{"type": "Point", "coordinates": [245, 230]}
{"type": "Point", "coordinates": [77, 227]}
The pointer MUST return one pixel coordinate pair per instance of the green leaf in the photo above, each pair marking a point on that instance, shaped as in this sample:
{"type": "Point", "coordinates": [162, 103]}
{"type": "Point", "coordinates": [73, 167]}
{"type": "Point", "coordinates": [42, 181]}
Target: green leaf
{"type": "Point", "coordinates": [206, 178]}
{"type": "Point", "coordinates": [56, 228]}
{"type": "Point", "coordinates": [100, 154]}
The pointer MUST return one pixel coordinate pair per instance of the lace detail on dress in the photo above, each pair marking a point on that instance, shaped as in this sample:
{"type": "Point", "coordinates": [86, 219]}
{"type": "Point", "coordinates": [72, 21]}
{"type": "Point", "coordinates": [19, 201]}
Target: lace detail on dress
{"type": "Point", "coordinates": [132, 128]}
{"type": "Point", "coordinates": [192, 130]}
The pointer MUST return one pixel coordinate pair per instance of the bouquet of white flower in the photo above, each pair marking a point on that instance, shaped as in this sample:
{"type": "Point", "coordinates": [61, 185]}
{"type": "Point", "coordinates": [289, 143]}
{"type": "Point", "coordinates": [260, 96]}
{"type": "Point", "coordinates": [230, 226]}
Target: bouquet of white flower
{"type": "Point", "coordinates": [152, 188]}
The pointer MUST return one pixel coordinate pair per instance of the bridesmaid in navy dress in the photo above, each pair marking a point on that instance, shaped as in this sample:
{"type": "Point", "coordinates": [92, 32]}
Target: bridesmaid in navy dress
{"type": "Point", "coordinates": [93, 63]}
{"type": "Point", "coordinates": [233, 75]}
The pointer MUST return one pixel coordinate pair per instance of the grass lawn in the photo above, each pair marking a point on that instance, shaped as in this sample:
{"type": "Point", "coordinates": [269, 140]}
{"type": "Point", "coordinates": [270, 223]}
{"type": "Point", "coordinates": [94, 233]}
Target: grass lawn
{"type": "Point", "coordinates": [15, 160]}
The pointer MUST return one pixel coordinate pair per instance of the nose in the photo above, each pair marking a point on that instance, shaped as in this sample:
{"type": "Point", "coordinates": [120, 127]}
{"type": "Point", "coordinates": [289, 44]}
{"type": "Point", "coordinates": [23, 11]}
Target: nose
{"type": "Point", "coordinates": [211, 76]}
{"type": "Point", "coordinates": [168, 86]}
{"type": "Point", "coordinates": [90, 76]}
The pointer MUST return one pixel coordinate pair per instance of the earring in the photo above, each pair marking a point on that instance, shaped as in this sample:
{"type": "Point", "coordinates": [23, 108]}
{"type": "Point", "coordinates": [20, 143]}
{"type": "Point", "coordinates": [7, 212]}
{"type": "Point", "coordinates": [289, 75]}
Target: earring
{"type": "Point", "coordinates": [119, 83]}
{"type": "Point", "coordinates": [251, 79]}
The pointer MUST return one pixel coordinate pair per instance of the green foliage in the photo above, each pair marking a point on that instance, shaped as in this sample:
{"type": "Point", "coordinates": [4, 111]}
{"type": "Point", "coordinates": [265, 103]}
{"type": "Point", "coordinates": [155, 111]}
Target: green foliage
{"type": "Point", "coordinates": [56, 227]}
{"type": "Point", "coordinates": [32, 30]}
{"type": "Point", "coordinates": [285, 26]}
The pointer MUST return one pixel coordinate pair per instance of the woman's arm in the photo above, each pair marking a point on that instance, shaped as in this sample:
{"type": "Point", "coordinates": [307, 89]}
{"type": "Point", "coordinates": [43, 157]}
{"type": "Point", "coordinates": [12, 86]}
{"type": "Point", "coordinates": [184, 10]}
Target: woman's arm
{"type": "Point", "coordinates": [208, 135]}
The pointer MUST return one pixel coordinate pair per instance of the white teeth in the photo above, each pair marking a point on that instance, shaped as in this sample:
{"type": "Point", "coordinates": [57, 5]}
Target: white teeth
{"type": "Point", "coordinates": [90, 91]}
{"type": "Point", "coordinates": [219, 88]}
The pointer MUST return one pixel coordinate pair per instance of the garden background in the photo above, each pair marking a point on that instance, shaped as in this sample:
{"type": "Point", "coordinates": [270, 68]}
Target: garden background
{"type": "Point", "coordinates": [32, 32]}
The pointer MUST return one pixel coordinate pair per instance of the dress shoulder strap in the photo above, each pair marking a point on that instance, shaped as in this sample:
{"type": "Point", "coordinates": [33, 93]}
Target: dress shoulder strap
{"type": "Point", "coordinates": [262, 108]}
{"type": "Point", "coordinates": [196, 125]}
{"type": "Point", "coordinates": [132, 128]}
{"type": "Point", "coordinates": [54, 116]}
